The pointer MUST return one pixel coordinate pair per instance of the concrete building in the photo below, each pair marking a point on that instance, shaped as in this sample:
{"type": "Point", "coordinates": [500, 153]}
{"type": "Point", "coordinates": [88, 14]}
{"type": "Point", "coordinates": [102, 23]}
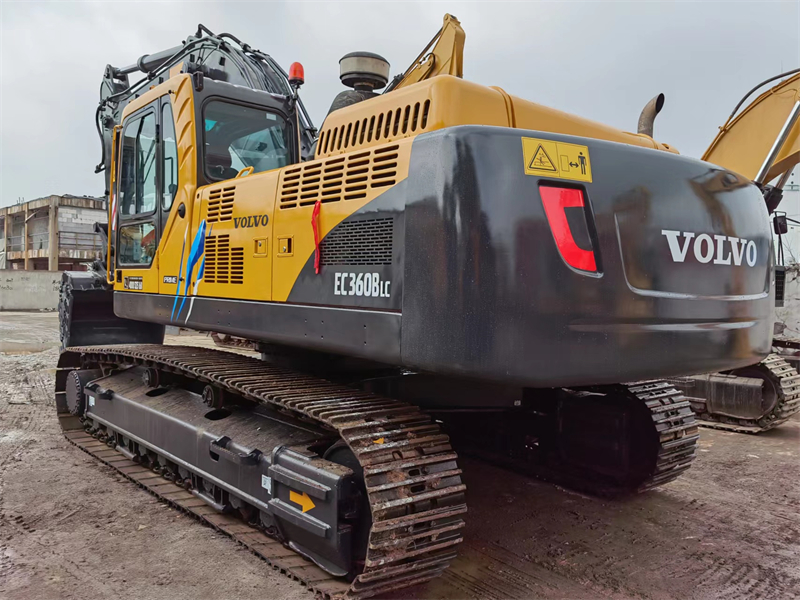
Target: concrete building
{"type": "Point", "coordinates": [54, 233]}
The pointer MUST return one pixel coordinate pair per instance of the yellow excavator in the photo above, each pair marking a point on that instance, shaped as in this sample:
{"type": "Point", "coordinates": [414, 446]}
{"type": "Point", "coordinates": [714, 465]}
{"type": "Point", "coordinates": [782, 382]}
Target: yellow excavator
{"type": "Point", "coordinates": [441, 268]}
{"type": "Point", "coordinates": [762, 143]}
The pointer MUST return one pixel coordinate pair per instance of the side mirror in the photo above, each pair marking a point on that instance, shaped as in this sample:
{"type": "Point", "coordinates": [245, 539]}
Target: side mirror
{"type": "Point", "coordinates": [780, 225]}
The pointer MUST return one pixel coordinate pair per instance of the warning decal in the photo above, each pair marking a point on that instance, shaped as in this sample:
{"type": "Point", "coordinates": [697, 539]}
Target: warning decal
{"type": "Point", "coordinates": [541, 161]}
{"type": "Point", "coordinates": [547, 158]}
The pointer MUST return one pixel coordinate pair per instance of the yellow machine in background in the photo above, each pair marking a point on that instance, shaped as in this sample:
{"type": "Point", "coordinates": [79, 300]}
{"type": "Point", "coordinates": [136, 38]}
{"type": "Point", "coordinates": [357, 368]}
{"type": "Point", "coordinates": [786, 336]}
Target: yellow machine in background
{"type": "Point", "coordinates": [762, 143]}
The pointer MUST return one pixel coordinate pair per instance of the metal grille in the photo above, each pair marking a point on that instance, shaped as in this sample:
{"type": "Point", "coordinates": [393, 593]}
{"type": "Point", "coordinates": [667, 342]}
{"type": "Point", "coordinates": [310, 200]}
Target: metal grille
{"type": "Point", "coordinates": [780, 286]}
{"type": "Point", "coordinates": [237, 265]}
{"type": "Point", "coordinates": [367, 242]}
{"type": "Point", "coordinates": [223, 263]}
{"type": "Point", "coordinates": [220, 204]}
{"type": "Point", "coordinates": [387, 126]}
{"type": "Point", "coordinates": [341, 178]}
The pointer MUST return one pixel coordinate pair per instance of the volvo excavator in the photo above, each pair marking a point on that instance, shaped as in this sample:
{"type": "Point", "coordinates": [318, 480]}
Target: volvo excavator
{"type": "Point", "coordinates": [440, 268]}
{"type": "Point", "coordinates": [760, 142]}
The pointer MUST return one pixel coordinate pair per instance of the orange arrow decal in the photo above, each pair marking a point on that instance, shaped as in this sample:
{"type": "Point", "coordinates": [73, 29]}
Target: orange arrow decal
{"type": "Point", "coordinates": [302, 499]}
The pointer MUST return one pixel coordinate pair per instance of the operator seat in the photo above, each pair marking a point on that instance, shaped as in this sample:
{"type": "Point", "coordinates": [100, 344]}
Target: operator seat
{"type": "Point", "coordinates": [218, 163]}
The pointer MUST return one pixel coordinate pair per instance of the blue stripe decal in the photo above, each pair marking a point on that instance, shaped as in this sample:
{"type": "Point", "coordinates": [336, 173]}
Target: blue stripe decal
{"type": "Point", "coordinates": [198, 248]}
{"type": "Point", "coordinates": [202, 268]}
{"type": "Point", "coordinates": [180, 273]}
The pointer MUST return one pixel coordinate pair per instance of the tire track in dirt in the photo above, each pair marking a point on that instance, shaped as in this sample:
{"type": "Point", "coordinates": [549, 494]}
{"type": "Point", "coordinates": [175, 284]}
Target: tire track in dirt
{"type": "Point", "coordinates": [727, 529]}
{"type": "Point", "coordinates": [71, 528]}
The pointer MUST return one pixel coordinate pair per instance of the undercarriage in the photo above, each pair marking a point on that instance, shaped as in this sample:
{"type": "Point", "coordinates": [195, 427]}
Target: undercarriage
{"type": "Point", "coordinates": [362, 488]}
{"type": "Point", "coordinates": [748, 400]}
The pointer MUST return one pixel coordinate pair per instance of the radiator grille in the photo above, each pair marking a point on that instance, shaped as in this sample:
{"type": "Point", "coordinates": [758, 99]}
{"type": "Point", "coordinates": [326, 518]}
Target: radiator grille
{"type": "Point", "coordinates": [367, 242]}
{"type": "Point", "coordinates": [387, 126]}
{"type": "Point", "coordinates": [780, 286]}
{"type": "Point", "coordinates": [220, 204]}
{"type": "Point", "coordinates": [340, 178]}
{"type": "Point", "coordinates": [223, 263]}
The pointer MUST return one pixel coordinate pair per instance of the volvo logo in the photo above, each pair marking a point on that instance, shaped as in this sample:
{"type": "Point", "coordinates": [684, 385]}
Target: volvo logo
{"type": "Point", "coordinates": [251, 221]}
{"type": "Point", "coordinates": [722, 249]}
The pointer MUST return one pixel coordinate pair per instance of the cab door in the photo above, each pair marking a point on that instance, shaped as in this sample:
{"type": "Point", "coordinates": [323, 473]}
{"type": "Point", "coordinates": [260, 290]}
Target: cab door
{"type": "Point", "coordinates": [172, 211]}
{"type": "Point", "coordinates": [138, 203]}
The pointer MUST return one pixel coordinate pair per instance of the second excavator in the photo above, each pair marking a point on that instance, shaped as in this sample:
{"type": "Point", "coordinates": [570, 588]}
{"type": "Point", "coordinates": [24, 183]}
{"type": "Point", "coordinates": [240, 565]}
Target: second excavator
{"type": "Point", "coordinates": [762, 143]}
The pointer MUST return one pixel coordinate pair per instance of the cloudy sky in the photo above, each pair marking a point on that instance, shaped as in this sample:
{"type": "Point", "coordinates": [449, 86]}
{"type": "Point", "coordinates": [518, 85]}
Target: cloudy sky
{"type": "Point", "coordinates": [601, 60]}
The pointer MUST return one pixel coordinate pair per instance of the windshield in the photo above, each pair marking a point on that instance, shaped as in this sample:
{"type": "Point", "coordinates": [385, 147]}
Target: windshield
{"type": "Point", "coordinates": [239, 136]}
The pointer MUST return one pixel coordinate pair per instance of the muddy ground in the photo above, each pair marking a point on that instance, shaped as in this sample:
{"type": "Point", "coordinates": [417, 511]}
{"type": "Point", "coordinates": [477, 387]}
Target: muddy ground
{"type": "Point", "coordinates": [71, 528]}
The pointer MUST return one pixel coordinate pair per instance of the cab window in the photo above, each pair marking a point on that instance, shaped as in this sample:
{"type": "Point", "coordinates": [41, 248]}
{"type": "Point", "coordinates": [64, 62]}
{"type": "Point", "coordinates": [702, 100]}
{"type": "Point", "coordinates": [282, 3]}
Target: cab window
{"type": "Point", "coordinates": [137, 186]}
{"type": "Point", "coordinates": [169, 153]}
{"type": "Point", "coordinates": [237, 136]}
{"type": "Point", "coordinates": [137, 244]}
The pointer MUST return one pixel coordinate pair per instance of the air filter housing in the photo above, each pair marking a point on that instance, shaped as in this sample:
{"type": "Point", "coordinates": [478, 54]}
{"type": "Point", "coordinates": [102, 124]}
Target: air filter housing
{"type": "Point", "coordinates": [364, 71]}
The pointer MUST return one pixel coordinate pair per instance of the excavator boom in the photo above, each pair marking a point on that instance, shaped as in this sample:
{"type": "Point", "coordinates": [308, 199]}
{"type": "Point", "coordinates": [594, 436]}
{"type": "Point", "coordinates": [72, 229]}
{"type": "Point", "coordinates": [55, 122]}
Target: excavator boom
{"type": "Point", "coordinates": [749, 142]}
{"type": "Point", "coordinates": [444, 55]}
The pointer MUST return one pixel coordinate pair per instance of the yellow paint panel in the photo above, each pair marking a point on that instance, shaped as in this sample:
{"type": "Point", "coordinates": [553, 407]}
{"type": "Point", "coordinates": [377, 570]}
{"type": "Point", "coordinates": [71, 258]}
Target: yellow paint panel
{"type": "Point", "coordinates": [447, 101]}
{"type": "Point", "coordinates": [238, 213]}
{"type": "Point", "coordinates": [139, 280]}
{"type": "Point", "coordinates": [546, 158]}
{"type": "Point", "coordinates": [167, 260]}
{"type": "Point", "coordinates": [344, 184]}
{"type": "Point", "coordinates": [175, 230]}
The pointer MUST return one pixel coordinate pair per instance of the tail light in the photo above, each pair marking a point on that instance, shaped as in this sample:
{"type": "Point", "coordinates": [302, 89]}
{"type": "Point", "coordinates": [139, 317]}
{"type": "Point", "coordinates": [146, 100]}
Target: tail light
{"type": "Point", "coordinates": [557, 201]}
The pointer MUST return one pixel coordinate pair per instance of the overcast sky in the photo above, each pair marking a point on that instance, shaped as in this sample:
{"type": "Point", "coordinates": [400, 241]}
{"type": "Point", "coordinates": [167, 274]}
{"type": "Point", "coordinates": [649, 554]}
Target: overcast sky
{"type": "Point", "coordinates": [601, 60]}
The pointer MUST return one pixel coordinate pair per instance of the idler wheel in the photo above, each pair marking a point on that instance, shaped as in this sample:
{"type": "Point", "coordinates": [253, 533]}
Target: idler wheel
{"type": "Point", "coordinates": [76, 382]}
{"type": "Point", "coordinates": [151, 378]}
{"type": "Point", "coordinates": [214, 397]}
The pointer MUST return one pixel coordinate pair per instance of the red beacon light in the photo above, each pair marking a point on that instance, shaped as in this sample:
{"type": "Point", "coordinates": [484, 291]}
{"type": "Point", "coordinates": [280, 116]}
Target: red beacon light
{"type": "Point", "coordinates": [296, 75]}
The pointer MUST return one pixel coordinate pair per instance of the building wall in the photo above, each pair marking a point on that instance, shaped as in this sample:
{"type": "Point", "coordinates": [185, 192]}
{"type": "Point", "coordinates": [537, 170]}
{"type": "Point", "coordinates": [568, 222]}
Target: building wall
{"type": "Point", "coordinates": [79, 220]}
{"type": "Point", "coordinates": [73, 241]}
{"type": "Point", "coordinates": [29, 290]}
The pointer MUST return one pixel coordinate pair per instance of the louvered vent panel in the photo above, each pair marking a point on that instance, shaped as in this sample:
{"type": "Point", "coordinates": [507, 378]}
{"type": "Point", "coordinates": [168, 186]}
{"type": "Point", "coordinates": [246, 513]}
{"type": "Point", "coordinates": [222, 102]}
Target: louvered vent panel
{"type": "Point", "coordinates": [220, 204]}
{"type": "Point", "coordinates": [223, 263]}
{"type": "Point", "coordinates": [210, 268]}
{"type": "Point", "coordinates": [367, 242]}
{"type": "Point", "coordinates": [380, 127]}
{"type": "Point", "coordinates": [340, 178]}
{"type": "Point", "coordinates": [237, 265]}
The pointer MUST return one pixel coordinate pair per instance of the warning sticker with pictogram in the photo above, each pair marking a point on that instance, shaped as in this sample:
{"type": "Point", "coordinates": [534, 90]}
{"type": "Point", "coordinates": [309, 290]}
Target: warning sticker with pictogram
{"type": "Point", "coordinates": [541, 161]}
{"type": "Point", "coordinates": [547, 158]}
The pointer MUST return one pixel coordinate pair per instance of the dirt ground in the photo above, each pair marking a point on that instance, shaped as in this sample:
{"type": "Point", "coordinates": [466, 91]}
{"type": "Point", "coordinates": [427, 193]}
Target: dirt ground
{"type": "Point", "coordinates": [72, 528]}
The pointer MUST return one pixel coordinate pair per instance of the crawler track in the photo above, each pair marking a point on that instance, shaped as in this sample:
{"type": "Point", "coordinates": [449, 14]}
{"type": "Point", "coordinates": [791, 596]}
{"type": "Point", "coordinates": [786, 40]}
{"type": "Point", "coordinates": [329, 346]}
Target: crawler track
{"type": "Point", "coordinates": [675, 426]}
{"type": "Point", "coordinates": [786, 381]}
{"type": "Point", "coordinates": [663, 454]}
{"type": "Point", "coordinates": [413, 484]}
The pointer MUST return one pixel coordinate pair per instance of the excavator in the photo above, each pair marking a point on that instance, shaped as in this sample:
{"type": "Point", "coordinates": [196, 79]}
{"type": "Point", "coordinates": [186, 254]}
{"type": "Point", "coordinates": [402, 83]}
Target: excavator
{"type": "Point", "coordinates": [441, 268]}
{"type": "Point", "coordinates": [762, 143]}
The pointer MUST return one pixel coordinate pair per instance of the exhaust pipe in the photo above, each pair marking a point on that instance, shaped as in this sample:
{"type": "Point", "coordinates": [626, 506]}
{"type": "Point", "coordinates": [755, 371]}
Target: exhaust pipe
{"type": "Point", "coordinates": [648, 116]}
